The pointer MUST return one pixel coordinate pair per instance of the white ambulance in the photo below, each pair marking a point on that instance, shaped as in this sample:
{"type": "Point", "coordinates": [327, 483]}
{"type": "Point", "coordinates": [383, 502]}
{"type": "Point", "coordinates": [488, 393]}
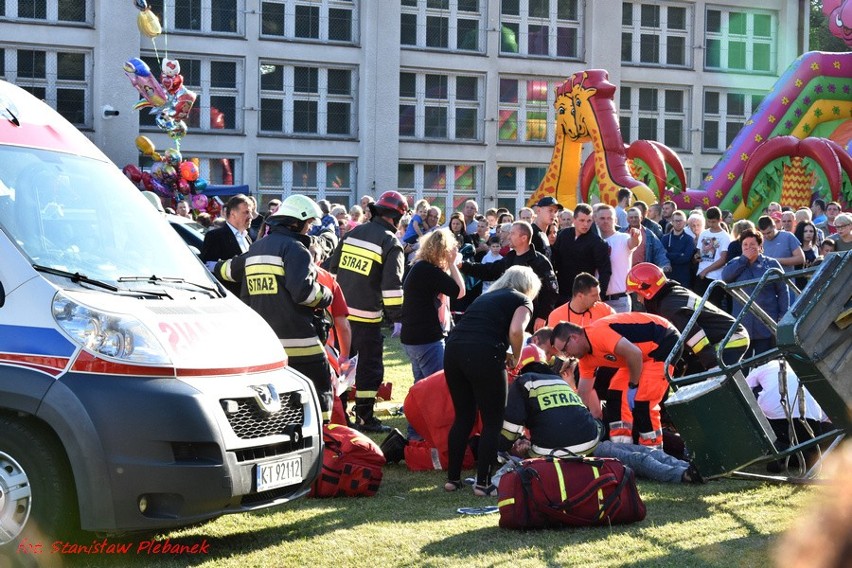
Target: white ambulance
{"type": "Point", "coordinates": [135, 394]}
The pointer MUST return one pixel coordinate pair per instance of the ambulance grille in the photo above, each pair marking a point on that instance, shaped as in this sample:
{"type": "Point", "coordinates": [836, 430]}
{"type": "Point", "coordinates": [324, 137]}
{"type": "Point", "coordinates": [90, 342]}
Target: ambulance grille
{"type": "Point", "coordinates": [250, 421]}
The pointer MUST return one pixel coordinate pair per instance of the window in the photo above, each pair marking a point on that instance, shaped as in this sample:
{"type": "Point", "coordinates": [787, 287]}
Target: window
{"type": "Point", "coordinates": [60, 78]}
{"type": "Point", "coordinates": [201, 16]}
{"type": "Point", "coordinates": [57, 11]}
{"type": "Point", "coordinates": [446, 186]}
{"type": "Point", "coordinates": [330, 178]}
{"type": "Point", "coordinates": [741, 41]}
{"type": "Point", "coordinates": [725, 114]}
{"type": "Point", "coordinates": [218, 85]}
{"type": "Point", "coordinates": [656, 34]}
{"type": "Point", "coordinates": [440, 106]}
{"type": "Point", "coordinates": [455, 25]}
{"type": "Point", "coordinates": [526, 111]}
{"type": "Point", "coordinates": [650, 113]}
{"type": "Point", "coordinates": [304, 100]}
{"type": "Point", "coordinates": [220, 170]}
{"type": "Point", "coordinates": [321, 20]}
{"type": "Point", "coordinates": [516, 184]}
{"type": "Point", "coordinates": [547, 28]}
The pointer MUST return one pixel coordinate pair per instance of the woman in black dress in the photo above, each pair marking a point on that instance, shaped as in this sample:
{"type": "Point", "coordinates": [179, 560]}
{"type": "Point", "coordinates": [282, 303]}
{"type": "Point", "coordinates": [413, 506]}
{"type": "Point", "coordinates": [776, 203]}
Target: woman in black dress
{"type": "Point", "coordinates": [475, 360]}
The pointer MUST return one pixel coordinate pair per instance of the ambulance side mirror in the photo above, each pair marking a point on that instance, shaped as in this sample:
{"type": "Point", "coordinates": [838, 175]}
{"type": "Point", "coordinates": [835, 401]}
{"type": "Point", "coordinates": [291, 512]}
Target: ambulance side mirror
{"type": "Point", "coordinates": [2, 295]}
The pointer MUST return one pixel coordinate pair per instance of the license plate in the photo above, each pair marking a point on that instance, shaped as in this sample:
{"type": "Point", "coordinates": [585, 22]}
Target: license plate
{"type": "Point", "coordinates": [278, 473]}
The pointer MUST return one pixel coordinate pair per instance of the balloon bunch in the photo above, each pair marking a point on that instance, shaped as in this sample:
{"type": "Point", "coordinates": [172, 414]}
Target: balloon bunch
{"type": "Point", "coordinates": [167, 98]}
{"type": "Point", "coordinates": [170, 177]}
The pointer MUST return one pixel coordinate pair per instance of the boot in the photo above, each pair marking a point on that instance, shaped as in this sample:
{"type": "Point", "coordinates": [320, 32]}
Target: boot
{"type": "Point", "coordinates": [364, 419]}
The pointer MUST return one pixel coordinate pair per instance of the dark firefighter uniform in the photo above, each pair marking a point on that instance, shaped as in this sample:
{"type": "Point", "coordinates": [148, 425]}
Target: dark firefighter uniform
{"type": "Point", "coordinates": [655, 336]}
{"type": "Point", "coordinates": [559, 423]}
{"type": "Point", "coordinates": [279, 281]}
{"type": "Point", "coordinates": [368, 263]}
{"type": "Point", "coordinates": [678, 304]}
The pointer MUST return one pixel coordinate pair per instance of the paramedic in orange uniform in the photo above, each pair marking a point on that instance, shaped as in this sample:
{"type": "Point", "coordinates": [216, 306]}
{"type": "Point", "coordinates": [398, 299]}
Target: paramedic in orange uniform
{"type": "Point", "coordinates": [585, 305]}
{"type": "Point", "coordinates": [637, 344]}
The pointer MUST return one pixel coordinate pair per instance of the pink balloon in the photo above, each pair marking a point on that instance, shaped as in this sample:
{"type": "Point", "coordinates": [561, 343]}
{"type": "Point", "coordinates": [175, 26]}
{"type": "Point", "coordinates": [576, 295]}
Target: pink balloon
{"type": "Point", "coordinates": [199, 202]}
{"type": "Point", "coordinates": [183, 186]}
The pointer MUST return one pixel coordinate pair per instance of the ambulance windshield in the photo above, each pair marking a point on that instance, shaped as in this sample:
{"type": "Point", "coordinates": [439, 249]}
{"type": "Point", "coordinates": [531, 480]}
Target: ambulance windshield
{"type": "Point", "coordinates": [81, 215]}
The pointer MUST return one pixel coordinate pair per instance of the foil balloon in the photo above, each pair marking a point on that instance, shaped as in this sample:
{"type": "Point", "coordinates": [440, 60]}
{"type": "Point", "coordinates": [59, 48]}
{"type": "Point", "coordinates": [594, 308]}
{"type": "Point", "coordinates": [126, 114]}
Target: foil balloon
{"type": "Point", "coordinates": [132, 172]}
{"type": "Point", "coordinates": [188, 171]}
{"type": "Point", "coordinates": [183, 186]}
{"type": "Point", "coordinates": [148, 23]}
{"type": "Point", "coordinates": [181, 103]}
{"type": "Point", "coordinates": [172, 157]}
{"type": "Point", "coordinates": [199, 202]}
{"type": "Point", "coordinates": [144, 145]}
{"type": "Point", "coordinates": [141, 4]}
{"type": "Point", "coordinates": [178, 131]}
{"type": "Point", "coordinates": [200, 184]}
{"type": "Point", "coordinates": [170, 75]}
{"type": "Point", "coordinates": [152, 92]}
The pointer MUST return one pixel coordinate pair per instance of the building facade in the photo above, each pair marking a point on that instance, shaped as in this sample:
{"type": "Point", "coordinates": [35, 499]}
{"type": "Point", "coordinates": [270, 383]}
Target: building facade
{"type": "Point", "coordinates": [442, 99]}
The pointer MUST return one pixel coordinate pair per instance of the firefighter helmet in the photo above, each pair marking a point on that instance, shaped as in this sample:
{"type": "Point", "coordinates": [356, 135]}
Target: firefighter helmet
{"type": "Point", "coordinates": [645, 279]}
{"type": "Point", "coordinates": [299, 207]}
{"type": "Point", "coordinates": [392, 202]}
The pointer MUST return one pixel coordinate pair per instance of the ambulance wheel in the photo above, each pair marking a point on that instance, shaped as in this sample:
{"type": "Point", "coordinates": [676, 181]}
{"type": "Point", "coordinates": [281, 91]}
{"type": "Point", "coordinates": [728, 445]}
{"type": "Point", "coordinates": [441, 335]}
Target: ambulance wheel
{"type": "Point", "coordinates": [38, 502]}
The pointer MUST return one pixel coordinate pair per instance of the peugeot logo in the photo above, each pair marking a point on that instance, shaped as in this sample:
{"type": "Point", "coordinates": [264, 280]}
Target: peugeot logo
{"type": "Point", "coordinates": [267, 398]}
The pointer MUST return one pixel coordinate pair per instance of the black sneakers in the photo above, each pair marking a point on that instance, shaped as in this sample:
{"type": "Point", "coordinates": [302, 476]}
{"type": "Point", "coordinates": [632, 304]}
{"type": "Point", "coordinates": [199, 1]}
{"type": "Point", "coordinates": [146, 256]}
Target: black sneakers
{"type": "Point", "coordinates": [372, 424]}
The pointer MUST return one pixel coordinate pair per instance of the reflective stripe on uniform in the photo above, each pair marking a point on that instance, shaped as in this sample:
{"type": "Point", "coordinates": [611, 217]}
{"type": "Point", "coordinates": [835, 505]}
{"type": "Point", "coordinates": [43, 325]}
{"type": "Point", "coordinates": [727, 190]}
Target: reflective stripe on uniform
{"type": "Point", "coordinates": [362, 248]}
{"type": "Point", "coordinates": [512, 428]}
{"type": "Point", "coordinates": [316, 296]}
{"type": "Point", "coordinates": [698, 341]}
{"type": "Point", "coordinates": [738, 340]}
{"type": "Point", "coordinates": [365, 394]}
{"type": "Point", "coordinates": [225, 271]}
{"type": "Point", "coordinates": [365, 316]}
{"type": "Point", "coordinates": [392, 297]}
{"type": "Point", "coordinates": [578, 449]}
{"type": "Point", "coordinates": [694, 303]}
{"type": "Point", "coordinates": [302, 347]}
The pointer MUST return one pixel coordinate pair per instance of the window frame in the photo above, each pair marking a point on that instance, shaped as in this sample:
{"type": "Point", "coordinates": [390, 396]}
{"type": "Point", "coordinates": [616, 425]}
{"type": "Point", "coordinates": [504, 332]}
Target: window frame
{"type": "Point", "coordinates": [521, 193]}
{"type": "Point", "coordinates": [723, 118]}
{"type": "Point", "coordinates": [452, 103]}
{"type": "Point", "coordinates": [523, 108]}
{"type": "Point", "coordinates": [324, 32]}
{"type": "Point", "coordinates": [287, 187]}
{"type": "Point", "coordinates": [167, 19]}
{"type": "Point", "coordinates": [637, 29]}
{"type": "Point", "coordinates": [448, 194]}
{"type": "Point", "coordinates": [288, 97]}
{"type": "Point", "coordinates": [422, 13]}
{"type": "Point", "coordinates": [635, 113]}
{"type": "Point", "coordinates": [725, 38]}
{"type": "Point", "coordinates": [51, 83]}
{"type": "Point", "coordinates": [523, 20]}
{"type": "Point", "coordinates": [51, 14]}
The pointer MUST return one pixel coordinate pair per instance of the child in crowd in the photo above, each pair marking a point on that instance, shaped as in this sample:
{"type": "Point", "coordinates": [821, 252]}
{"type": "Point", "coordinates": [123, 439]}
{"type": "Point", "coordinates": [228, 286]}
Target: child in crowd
{"type": "Point", "coordinates": [493, 255]}
{"type": "Point", "coordinates": [416, 226]}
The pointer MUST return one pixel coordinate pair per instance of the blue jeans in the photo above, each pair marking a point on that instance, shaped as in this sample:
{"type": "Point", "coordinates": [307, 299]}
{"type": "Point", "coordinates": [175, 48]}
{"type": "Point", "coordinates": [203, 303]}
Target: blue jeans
{"type": "Point", "coordinates": [425, 359]}
{"type": "Point", "coordinates": [653, 464]}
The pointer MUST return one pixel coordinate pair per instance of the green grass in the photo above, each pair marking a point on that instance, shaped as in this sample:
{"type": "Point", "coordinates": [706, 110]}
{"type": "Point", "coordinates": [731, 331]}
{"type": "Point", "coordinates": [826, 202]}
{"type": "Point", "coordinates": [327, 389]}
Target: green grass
{"type": "Point", "coordinates": [411, 522]}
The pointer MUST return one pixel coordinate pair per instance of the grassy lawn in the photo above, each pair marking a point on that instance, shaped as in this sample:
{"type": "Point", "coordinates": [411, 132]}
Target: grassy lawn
{"type": "Point", "coordinates": [411, 522]}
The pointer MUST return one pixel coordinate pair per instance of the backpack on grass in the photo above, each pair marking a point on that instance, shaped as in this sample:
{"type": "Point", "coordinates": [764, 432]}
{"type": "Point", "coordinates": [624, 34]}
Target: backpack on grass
{"type": "Point", "coordinates": [351, 464]}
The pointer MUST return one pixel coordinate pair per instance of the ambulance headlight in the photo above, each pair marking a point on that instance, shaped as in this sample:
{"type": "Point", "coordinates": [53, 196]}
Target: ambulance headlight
{"type": "Point", "coordinates": [117, 336]}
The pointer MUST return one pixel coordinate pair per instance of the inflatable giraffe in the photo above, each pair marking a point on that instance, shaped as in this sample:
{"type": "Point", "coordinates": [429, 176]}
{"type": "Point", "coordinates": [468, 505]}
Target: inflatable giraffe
{"type": "Point", "coordinates": [585, 112]}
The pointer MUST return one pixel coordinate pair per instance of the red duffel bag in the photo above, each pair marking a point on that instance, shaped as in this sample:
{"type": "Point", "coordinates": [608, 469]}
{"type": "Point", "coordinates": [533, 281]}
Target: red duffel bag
{"type": "Point", "coordinates": [581, 491]}
{"type": "Point", "coordinates": [420, 455]}
{"type": "Point", "coordinates": [351, 464]}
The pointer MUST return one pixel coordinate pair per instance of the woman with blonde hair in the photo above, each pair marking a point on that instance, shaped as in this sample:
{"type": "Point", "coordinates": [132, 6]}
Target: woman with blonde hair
{"type": "Point", "coordinates": [475, 361]}
{"type": "Point", "coordinates": [735, 248]}
{"type": "Point", "coordinates": [432, 279]}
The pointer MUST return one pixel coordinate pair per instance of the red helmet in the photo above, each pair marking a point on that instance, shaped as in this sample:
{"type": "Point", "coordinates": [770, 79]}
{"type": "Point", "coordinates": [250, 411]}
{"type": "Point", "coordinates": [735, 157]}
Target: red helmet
{"type": "Point", "coordinates": [529, 354]}
{"type": "Point", "coordinates": [645, 279]}
{"type": "Point", "coordinates": [393, 201]}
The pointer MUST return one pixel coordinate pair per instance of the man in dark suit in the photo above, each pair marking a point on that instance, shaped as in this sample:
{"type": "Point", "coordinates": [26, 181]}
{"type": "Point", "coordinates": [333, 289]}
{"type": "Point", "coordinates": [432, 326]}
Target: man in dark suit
{"type": "Point", "coordinates": [229, 240]}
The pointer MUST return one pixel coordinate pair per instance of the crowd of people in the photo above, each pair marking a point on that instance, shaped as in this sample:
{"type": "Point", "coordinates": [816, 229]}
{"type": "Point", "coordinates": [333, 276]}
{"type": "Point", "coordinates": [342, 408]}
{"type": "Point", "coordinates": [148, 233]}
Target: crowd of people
{"type": "Point", "coordinates": [603, 291]}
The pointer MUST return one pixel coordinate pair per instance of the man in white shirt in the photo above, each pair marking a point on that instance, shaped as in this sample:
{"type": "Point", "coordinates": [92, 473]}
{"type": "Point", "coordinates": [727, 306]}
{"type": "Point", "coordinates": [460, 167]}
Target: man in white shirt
{"type": "Point", "coordinates": [713, 250]}
{"type": "Point", "coordinates": [621, 247]}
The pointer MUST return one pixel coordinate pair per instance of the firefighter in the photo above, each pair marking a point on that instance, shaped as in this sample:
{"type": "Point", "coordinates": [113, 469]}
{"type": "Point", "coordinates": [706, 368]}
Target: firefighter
{"type": "Point", "coordinates": [279, 281]}
{"type": "Point", "coordinates": [677, 304]}
{"type": "Point", "coordinates": [368, 263]}
{"type": "Point", "coordinates": [637, 344]}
